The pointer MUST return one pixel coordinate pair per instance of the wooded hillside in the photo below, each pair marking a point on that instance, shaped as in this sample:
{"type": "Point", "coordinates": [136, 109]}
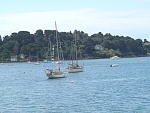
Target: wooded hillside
{"type": "Point", "coordinates": [95, 46]}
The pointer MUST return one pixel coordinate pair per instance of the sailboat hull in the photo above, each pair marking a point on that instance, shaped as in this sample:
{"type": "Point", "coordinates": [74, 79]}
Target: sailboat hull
{"type": "Point", "coordinates": [55, 74]}
{"type": "Point", "coordinates": [75, 69]}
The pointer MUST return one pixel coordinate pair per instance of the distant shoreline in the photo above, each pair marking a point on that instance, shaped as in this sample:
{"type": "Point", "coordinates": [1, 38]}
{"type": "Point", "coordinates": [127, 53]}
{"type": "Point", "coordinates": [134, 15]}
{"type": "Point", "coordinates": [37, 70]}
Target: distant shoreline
{"type": "Point", "coordinates": [67, 59]}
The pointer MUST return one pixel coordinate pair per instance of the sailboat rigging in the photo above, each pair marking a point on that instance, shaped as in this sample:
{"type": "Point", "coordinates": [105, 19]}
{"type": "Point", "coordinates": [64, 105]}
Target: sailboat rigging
{"type": "Point", "coordinates": [61, 57]}
{"type": "Point", "coordinates": [74, 66]}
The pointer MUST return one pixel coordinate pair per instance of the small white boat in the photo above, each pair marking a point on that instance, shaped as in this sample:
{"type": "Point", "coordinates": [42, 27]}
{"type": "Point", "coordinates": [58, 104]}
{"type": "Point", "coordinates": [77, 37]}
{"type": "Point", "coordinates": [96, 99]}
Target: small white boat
{"type": "Point", "coordinates": [59, 62]}
{"type": "Point", "coordinates": [36, 63]}
{"type": "Point", "coordinates": [114, 58]}
{"type": "Point", "coordinates": [114, 65]}
{"type": "Point", "coordinates": [46, 61]}
{"type": "Point", "coordinates": [29, 62]}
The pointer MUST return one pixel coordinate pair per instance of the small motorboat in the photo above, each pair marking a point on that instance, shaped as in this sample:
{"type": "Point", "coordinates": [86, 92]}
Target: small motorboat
{"type": "Point", "coordinates": [114, 65]}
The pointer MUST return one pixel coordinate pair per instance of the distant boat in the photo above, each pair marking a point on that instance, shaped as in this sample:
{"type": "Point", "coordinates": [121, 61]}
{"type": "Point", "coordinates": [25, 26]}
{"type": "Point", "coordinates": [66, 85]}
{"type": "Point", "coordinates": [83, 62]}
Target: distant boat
{"type": "Point", "coordinates": [114, 58]}
{"type": "Point", "coordinates": [29, 62]}
{"type": "Point", "coordinates": [114, 65]}
{"type": "Point", "coordinates": [37, 60]}
{"type": "Point", "coordinates": [36, 63]}
{"type": "Point", "coordinates": [74, 66]}
{"type": "Point", "coordinates": [46, 61]}
{"type": "Point", "coordinates": [29, 59]}
{"type": "Point", "coordinates": [56, 72]}
{"type": "Point", "coordinates": [59, 62]}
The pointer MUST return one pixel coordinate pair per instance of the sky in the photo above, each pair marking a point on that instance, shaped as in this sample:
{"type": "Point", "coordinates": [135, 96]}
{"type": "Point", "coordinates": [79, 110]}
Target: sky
{"type": "Point", "coordinates": [117, 17]}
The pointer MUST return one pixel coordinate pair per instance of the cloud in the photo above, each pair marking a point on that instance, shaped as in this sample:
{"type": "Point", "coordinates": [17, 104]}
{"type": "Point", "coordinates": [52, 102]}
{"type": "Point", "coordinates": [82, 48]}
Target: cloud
{"type": "Point", "coordinates": [134, 23]}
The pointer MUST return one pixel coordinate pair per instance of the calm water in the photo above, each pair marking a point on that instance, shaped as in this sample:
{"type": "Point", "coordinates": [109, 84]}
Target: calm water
{"type": "Point", "coordinates": [99, 89]}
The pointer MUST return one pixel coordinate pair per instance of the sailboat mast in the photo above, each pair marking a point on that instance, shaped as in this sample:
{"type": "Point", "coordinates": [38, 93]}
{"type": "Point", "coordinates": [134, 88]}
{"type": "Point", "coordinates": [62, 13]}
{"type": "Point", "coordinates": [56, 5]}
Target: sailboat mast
{"type": "Point", "coordinates": [76, 49]}
{"type": "Point", "coordinates": [72, 52]}
{"type": "Point", "coordinates": [49, 49]}
{"type": "Point", "coordinates": [57, 42]}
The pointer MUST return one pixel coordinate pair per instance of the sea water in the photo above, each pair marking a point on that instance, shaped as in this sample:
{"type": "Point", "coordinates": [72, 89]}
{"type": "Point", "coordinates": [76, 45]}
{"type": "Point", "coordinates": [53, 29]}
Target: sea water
{"type": "Point", "coordinates": [24, 88]}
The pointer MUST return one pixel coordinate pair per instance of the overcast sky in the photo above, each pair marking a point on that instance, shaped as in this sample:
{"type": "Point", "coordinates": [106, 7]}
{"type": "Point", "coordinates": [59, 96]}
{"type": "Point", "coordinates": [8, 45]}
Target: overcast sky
{"type": "Point", "coordinates": [118, 17]}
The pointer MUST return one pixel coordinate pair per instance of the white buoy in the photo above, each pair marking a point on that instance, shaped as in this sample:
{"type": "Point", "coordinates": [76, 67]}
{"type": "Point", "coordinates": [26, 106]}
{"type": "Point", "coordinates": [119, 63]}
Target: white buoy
{"type": "Point", "coordinates": [72, 81]}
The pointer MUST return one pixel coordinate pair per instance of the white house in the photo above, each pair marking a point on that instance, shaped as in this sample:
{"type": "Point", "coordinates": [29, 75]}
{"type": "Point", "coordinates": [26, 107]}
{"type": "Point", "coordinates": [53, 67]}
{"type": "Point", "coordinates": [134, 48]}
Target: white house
{"type": "Point", "coordinates": [14, 58]}
{"type": "Point", "coordinates": [98, 47]}
{"type": "Point", "coordinates": [22, 56]}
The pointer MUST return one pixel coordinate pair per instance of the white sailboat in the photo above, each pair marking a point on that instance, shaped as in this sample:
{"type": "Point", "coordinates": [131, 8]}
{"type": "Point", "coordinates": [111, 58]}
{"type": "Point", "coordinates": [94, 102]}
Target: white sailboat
{"type": "Point", "coordinates": [37, 62]}
{"type": "Point", "coordinates": [74, 66]}
{"type": "Point", "coordinates": [55, 72]}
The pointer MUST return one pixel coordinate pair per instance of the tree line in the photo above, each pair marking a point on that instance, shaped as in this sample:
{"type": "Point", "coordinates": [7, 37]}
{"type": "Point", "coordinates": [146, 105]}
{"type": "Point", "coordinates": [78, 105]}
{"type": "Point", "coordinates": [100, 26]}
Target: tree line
{"type": "Point", "coordinates": [37, 45]}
